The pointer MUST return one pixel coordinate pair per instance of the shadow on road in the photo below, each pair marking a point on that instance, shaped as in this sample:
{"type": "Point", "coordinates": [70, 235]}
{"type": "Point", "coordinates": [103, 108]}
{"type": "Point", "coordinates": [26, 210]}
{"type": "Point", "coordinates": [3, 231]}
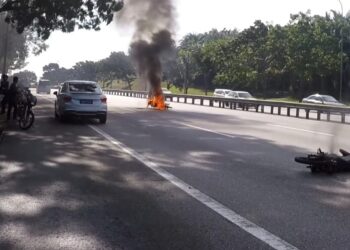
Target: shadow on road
{"type": "Point", "coordinates": [63, 186]}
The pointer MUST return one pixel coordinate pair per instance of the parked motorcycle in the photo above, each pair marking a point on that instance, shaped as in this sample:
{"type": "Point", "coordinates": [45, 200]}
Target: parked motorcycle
{"type": "Point", "coordinates": [325, 162]}
{"type": "Point", "coordinates": [25, 102]}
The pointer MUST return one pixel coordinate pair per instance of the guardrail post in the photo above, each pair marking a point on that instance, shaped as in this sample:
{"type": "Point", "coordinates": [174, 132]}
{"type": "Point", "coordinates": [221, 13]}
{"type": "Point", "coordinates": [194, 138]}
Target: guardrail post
{"type": "Point", "coordinates": [343, 117]}
{"type": "Point", "coordinates": [234, 105]}
{"type": "Point", "coordinates": [272, 109]}
{"type": "Point", "coordinates": [297, 112]}
{"type": "Point", "coordinates": [307, 111]}
{"type": "Point", "coordinates": [202, 101]}
{"type": "Point", "coordinates": [231, 105]}
{"type": "Point", "coordinates": [262, 109]}
{"type": "Point", "coordinates": [211, 104]}
{"type": "Point", "coordinates": [193, 100]}
{"type": "Point", "coordinates": [279, 110]}
{"type": "Point", "coordinates": [185, 99]}
{"type": "Point", "coordinates": [288, 111]}
{"type": "Point", "coordinates": [257, 108]}
{"type": "Point", "coordinates": [318, 115]}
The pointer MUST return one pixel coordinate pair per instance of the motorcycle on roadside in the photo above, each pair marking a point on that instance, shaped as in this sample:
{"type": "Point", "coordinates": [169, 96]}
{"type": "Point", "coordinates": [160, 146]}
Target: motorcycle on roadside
{"type": "Point", "coordinates": [25, 102]}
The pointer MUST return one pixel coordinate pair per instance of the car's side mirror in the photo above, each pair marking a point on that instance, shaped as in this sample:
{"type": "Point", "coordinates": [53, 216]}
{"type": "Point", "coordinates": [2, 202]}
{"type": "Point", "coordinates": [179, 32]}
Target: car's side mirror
{"type": "Point", "coordinates": [55, 93]}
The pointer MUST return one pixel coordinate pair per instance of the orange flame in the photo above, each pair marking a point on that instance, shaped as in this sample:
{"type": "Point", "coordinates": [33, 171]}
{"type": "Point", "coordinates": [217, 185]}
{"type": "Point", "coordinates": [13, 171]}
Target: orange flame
{"type": "Point", "coordinates": [157, 102]}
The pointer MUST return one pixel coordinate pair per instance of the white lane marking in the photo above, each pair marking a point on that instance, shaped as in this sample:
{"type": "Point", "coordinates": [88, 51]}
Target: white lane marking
{"type": "Point", "coordinates": [274, 125]}
{"type": "Point", "coordinates": [246, 225]}
{"type": "Point", "coordinates": [207, 130]}
{"type": "Point", "coordinates": [302, 130]}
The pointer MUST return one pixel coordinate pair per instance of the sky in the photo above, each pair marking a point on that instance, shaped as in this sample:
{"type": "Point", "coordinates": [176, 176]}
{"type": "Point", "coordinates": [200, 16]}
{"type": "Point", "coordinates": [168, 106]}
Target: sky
{"type": "Point", "coordinates": [193, 16]}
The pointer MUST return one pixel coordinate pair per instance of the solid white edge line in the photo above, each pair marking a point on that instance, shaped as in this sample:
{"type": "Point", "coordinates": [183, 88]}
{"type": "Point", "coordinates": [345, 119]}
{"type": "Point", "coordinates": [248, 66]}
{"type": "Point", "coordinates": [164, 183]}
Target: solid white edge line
{"type": "Point", "coordinates": [302, 130]}
{"type": "Point", "coordinates": [246, 225]}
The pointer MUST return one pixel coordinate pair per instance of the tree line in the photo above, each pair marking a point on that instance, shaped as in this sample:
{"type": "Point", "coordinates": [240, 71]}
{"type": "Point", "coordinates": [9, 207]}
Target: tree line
{"type": "Point", "coordinates": [301, 57]}
{"type": "Point", "coordinates": [296, 59]}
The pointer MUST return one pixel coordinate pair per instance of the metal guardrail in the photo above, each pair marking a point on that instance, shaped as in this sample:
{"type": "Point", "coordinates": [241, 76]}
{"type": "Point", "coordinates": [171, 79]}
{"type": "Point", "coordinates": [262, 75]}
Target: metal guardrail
{"type": "Point", "coordinates": [299, 110]}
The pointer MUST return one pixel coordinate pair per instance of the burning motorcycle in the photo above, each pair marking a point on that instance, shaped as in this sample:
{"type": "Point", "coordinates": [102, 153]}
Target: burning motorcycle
{"type": "Point", "coordinates": [325, 162]}
{"type": "Point", "coordinates": [25, 102]}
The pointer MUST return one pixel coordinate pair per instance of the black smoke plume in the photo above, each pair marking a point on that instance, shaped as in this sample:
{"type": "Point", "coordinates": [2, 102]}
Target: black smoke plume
{"type": "Point", "coordinates": [147, 57]}
{"type": "Point", "coordinates": [154, 23]}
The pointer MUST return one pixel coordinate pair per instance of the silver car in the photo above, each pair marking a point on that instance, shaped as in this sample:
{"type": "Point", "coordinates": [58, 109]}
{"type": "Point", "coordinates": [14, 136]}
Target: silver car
{"type": "Point", "coordinates": [240, 95]}
{"type": "Point", "coordinates": [82, 99]}
{"type": "Point", "coordinates": [221, 92]}
{"type": "Point", "coordinates": [322, 99]}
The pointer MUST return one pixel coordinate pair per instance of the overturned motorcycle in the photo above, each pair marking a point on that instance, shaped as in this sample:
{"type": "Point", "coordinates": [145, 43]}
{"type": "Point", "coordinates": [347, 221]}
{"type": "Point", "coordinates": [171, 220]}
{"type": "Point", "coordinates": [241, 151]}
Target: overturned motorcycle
{"type": "Point", "coordinates": [325, 162]}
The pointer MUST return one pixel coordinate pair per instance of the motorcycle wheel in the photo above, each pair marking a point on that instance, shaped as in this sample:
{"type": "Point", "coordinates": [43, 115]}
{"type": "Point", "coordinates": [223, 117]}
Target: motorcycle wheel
{"type": "Point", "coordinates": [27, 121]}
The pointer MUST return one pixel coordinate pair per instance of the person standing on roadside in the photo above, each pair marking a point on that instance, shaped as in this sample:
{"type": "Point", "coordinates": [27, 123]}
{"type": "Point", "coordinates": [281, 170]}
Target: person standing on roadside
{"type": "Point", "coordinates": [12, 93]}
{"type": "Point", "coordinates": [4, 87]}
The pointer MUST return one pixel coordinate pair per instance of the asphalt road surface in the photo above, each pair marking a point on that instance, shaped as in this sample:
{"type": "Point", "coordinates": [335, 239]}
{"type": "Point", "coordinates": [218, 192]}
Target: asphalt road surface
{"type": "Point", "coordinates": [189, 178]}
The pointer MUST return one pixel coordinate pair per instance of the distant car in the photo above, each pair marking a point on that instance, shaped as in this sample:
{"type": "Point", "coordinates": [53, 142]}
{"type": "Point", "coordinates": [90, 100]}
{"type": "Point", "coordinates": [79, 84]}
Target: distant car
{"type": "Point", "coordinates": [240, 95]}
{"type": "Point", "coordinates": [322, 99]}
{"type": "Point", "coordinates": [221, 92]}
{"type": "Point", "coordinates": [166, 91]}
{"type": "Point", "coordinates": [44, 86]}
{"type": "Point", "coordinates": [82, 99]}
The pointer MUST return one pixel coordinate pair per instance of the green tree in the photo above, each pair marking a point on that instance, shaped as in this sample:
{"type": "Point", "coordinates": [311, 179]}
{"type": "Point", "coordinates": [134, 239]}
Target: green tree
{"type": "Point", "coordinates": [27, 78]}
{"type": "Point", "coordinates": [17, 47]}
{"type": "Point", "coordinates": [117, 66]}
{"type": "Point", "coordinates": [56, 74]}
{"type": "Point", "coordinates": [85, 71]}
{"type": "Point", "coordinates": [45, 16]}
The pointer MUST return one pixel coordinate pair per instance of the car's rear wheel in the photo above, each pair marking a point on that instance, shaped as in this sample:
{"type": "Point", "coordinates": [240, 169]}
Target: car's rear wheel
{"type": "Point", "coordinates": [103, 119]}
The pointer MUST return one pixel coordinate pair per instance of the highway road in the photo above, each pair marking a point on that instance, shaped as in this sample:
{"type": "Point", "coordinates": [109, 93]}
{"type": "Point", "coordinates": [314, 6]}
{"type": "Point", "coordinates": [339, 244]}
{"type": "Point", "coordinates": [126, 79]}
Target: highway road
{"type": "Point", "coordinates": [189, 178]}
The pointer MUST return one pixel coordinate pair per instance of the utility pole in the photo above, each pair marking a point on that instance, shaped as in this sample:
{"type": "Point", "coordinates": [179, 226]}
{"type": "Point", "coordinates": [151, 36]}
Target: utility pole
{"type": "Point", "coordinates": [4, 67]}
{"type": "Point", "coordinates": [341, 55]}
{"type": "Point", "coordinates": [6, 39]}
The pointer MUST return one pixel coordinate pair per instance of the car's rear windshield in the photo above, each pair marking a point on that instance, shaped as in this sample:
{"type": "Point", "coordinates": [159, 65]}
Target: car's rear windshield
{"type": "Point", "coordinates": [244, 95]}
{"type": "Point", "coordinates": [84, 87]}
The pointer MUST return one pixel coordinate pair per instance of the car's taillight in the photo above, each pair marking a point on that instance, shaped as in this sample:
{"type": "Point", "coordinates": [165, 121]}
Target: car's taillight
{"type": "Point", "coordinates": [104, 99]}
{"type": "Point", "coordinates": [67, 99]}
